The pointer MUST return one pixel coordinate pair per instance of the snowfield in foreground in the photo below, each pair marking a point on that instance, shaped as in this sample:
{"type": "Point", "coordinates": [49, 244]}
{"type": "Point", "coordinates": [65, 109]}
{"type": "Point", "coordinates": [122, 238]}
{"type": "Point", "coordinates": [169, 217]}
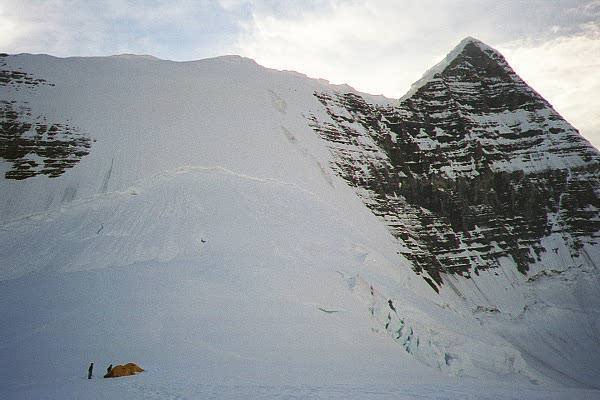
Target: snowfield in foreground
{"type": "Point", "coordinates": [241, 315]}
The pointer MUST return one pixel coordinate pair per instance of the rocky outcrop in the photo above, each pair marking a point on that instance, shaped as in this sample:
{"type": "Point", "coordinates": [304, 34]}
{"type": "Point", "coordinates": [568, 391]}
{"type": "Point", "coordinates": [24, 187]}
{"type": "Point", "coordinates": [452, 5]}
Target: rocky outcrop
{"type": "Point", "coordinates": [470, 167]}
{"type": "Point", "coordinates": [29, 141]}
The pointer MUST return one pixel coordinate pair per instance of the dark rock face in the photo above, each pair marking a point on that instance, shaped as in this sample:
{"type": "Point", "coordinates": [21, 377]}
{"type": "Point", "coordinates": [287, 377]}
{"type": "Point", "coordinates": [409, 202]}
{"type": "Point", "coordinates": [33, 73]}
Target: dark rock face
{"type": "Point", "coordinates": [470, 167]}
{"type": "Point", "coordinates": [31, 143]}
{"type": "Point", "coordinates": [18, 79]}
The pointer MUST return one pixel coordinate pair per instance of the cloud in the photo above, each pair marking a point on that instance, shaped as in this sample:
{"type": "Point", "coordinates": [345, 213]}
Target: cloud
{"type": "Point", "coordinates": [376, 46]}
{"type": "Point", "coordinates": [174, 29]}
{"type": "Point", "coordinates": [566, 71]}
{"type": "Point", "coordinates": [11, 31]}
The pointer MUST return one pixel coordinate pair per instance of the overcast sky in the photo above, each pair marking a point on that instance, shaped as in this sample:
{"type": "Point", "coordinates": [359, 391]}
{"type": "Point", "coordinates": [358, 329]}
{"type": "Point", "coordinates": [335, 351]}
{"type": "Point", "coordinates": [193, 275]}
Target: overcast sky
{"type": "Point", "coordinates": [376, 46]}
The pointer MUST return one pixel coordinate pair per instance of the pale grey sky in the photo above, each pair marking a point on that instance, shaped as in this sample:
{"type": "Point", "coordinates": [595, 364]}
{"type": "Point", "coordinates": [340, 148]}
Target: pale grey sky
{"type": "Point", "coordinates": [376, 46]}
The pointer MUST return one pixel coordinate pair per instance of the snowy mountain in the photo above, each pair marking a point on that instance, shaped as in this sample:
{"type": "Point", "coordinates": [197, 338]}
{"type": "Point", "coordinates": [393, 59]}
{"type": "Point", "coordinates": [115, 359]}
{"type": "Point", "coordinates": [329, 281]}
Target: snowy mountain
{"type": "Point", "coordinates": [487, 190]}
{"type": "Point", "coordinates": [245, 232]}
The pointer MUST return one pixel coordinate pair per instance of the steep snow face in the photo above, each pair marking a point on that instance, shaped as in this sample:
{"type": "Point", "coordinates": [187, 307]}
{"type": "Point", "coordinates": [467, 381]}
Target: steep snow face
{"type": "Point", "coordinates": [139, 117]}
{"type": "Point", "coordinates": [199, 269]}
{"type": "Point", "coordinates": [197, 227]}
{"type": "Point", "coordinates": [187, 217]}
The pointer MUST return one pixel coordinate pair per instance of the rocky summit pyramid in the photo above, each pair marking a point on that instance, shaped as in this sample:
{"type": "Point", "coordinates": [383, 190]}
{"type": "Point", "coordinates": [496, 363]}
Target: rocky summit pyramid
{"type": "Point", "coordinates": [235, 224]}
{"type": "Point", "coordinates": [487, 189]}
{"type": "Point", "coordinates": [471, 170]}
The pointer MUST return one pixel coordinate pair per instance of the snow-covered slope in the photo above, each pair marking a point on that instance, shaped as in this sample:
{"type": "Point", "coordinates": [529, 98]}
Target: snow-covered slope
{"type": "Point", "coordinates": [187, 217]}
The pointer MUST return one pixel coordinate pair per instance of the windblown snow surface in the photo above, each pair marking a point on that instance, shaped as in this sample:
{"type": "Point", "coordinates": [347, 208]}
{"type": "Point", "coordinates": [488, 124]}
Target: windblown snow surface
{"type": "Point", "coordinates": [201, 233]}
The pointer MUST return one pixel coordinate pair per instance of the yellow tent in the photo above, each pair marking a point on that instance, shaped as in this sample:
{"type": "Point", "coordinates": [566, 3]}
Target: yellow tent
{"type": "Point", "coordinates": [124, 370]}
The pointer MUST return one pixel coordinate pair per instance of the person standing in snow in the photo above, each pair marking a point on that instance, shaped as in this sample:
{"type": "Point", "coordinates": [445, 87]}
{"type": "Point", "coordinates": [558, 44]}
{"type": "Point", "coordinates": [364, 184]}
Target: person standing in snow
{"type": "Point", "coordinates": [391, 305]}
{"type": "Point", "coordinates": [90, 370]}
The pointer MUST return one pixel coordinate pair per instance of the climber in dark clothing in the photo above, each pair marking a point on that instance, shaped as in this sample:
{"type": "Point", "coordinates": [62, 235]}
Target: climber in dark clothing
{"type": "Point", "coordinates": [90, 370]}
{"type": "Point", "coordinates": [109, 369]}
{"type": "Point", "coordinates": [391, 306]}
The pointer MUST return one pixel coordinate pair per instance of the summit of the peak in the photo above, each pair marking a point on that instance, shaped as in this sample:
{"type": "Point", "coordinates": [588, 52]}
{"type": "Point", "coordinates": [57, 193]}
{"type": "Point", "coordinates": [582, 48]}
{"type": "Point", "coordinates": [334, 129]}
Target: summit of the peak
{"type": "Point", "coordinates": [470, 39]}
{"type": "Point", "coordinates": [467, 42]}
{"type": "Point", "coordinates": [467, 45]}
